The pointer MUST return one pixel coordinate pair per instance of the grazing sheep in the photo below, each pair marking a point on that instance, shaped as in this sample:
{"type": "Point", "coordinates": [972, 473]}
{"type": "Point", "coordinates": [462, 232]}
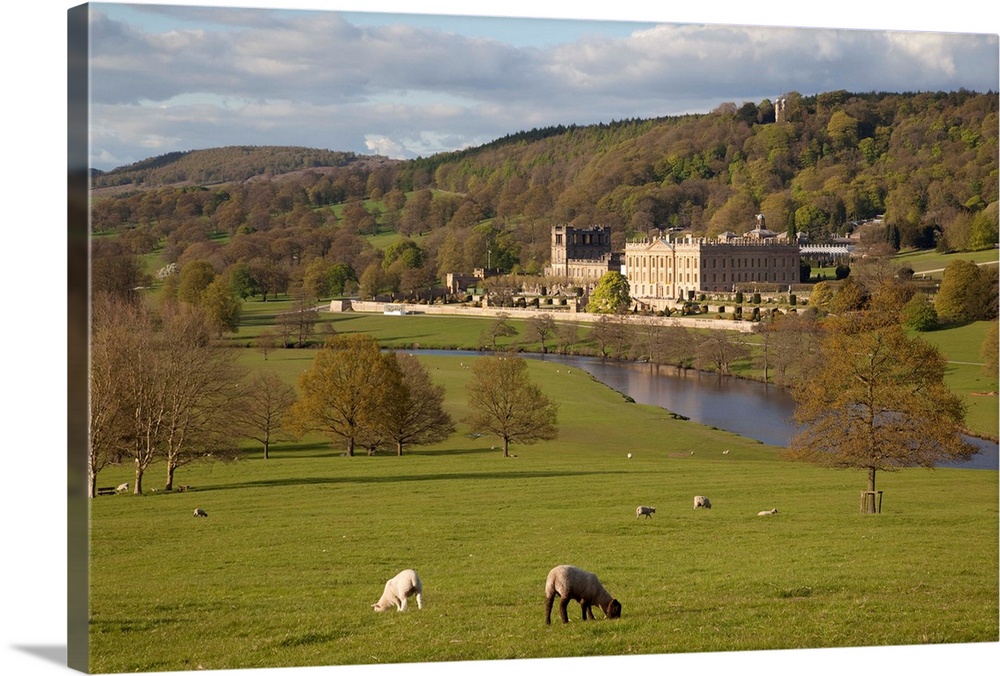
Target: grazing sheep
{"type": "Point", "coordinates": [122, 488]}
{"type": "Point", "coordinates": [643, 510]}
{"type": "Point", "coordinates": [572, 583]}
{"type": "Point", "coordinates": [768, 512]}
{"type": "Point", "coordinates": [702, 501]}
{"type": "Point", "coordinates": [200, 512]}
{"type": "Point", "coordinates": [405, 584]}
{"type": "Point", "coordinates": [629, 456]}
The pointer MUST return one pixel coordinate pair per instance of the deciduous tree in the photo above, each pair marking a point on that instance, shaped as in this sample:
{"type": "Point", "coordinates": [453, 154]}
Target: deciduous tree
{"type": "Point", "coordinates": [968, 293]}
{"type": "Point", "coordinates": [541, 326]}
{"type": "Point", "coordinates": [497, 329]}
{"type": "Point", "coordinates": [612, 295]}
{"type": "Point", "coordinates": [877, 402]}
{"type": "Point", "coordinates": [263, 406]}
{"type": "Point", "coordinates": [414, 414]}
{"type": "Point", "coordinates": [343, 394]}
{"type": "Point", "coordinates": [505, 403]}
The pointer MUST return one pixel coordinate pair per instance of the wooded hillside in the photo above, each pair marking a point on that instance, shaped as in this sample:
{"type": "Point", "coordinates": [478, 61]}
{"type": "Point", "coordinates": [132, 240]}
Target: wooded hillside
{"type": "Point", "coordinates": [927, 161]}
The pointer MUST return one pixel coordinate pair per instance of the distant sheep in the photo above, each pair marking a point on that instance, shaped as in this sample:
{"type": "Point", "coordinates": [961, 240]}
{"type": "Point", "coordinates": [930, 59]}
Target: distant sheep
{"type": "Point", "coordinates": [767, 512]}
{"type": "Point", "coordinates": [122, 488]}
{"type": "Point", "coordinates": [702, 501]}
{"type": "Point", "coordinates": [572, 583]}
{"type": "Point", "coordinates": [642, 510]}
{"type": "Point", "coordinates": [200, 512]}
{"type": "Point", "coordinates": [398, 589]}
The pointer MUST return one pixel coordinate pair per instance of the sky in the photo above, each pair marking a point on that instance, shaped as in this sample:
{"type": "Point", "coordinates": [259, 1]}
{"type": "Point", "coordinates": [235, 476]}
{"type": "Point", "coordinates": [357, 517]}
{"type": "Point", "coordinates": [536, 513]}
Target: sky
{"type": "Point", "coordinates": [403, 85]}
{"type": "Point", "coordinates": [33, 276]}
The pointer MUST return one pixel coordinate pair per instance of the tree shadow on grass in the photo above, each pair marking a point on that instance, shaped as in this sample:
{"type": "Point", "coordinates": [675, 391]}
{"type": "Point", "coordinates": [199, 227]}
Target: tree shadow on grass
{"type": "Point", "coordinates": [401, 478]}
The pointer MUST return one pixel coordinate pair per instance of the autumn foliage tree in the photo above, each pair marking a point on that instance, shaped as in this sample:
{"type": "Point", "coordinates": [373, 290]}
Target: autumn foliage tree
{"type": "Point", "coordinates": [344, 394]}
{"type": "Point", "coordinates": [877, 402]}
{"type": "Point", "coordinates": [505, 403]}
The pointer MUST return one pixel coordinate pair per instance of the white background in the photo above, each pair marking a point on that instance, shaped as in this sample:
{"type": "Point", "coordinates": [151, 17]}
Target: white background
{"type": "Point", "coordinates": [33, 311]}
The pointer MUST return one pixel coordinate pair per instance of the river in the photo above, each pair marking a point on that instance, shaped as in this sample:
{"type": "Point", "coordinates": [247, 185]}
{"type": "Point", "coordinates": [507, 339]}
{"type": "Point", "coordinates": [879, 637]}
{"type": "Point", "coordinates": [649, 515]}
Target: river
{"type": "Point", "coordinates": [745, 407]}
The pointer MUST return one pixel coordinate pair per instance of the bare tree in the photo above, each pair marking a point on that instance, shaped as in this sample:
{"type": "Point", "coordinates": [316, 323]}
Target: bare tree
{"type": "Point", "coordinates": [263, 406]}
{"type": "Point", "coordinates": [542, 326]}
{"type": "Point", "coordinates": [266, 342]}
{"type": "Point", "coordinates": [498, 328]}
{"type": "Point", "coordinates": [613, 335]}
{"type": "Point", "coordinates": [720, 349]}
{"type": "Point", "coordinates": [110, 328]}
{"type": "Point", "coordinates": [201, 388]}
{"type": "Point", "coordinates": [567, 334]}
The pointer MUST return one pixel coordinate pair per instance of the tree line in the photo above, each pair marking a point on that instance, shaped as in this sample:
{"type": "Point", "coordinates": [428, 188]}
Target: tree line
{"type": "Point", "coordinates": [926, 161]}
{"type": "Point", "coordinates": [162, 390]}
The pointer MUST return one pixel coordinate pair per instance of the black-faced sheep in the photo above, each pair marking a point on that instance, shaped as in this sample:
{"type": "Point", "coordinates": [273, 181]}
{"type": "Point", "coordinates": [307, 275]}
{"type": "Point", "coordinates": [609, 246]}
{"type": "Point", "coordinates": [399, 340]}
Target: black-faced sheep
{"type": "Point", "coordinates": [398, 589]}
{"type": "Point", "coordinates": [702, 501]}
{"type": "Point", "coordinates": [200, 512]}
{"type": "Point", "coordinates": [642, 510]}
{"type": "Point", "coordinates": [768, 512]}
{"type": "Point", "coordinates": [571, 583]}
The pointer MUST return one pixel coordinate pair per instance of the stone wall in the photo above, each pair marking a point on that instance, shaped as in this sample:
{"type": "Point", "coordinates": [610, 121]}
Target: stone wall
{"type": "Point", "coordinates": [557, 312]}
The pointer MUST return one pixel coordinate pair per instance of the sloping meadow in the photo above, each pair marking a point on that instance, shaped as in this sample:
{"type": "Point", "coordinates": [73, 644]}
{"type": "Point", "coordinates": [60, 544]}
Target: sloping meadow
{"type": "Point", "coordinates": [295, 549]}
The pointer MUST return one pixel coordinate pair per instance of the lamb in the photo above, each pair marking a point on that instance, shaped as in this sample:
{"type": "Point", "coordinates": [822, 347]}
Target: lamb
{"type": "Point", "coordinates": [122, 488]}
{"type": "Point", "coordinates": [398, 589]}
{"type": "Point", "coordinates": [572, 583]}
{"type": "Point", "coordinates": [643, 510]}
{"type": "Point", "coordinates": [767, 512]}
{"type": "Point", "coordinates": [200, 512]}
{"type": "Point", "coordinates": [702, 501]}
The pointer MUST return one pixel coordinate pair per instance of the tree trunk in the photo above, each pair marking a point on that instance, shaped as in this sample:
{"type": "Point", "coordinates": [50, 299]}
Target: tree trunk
{"type": "Point", "coordinates": [171, 467]}
{"type": "Point", "coordinates": [399, 448]}
{"type": "Point", "coordinates": [266, 449]}
{"type": "Point", "coordinates": [137, 489]}
{"type": "Point", "coordinates": [505, 444]}
{"type": "Point", "coordinates": [350, 447]}
{"type": "Point", "coordinates": [871, 495]}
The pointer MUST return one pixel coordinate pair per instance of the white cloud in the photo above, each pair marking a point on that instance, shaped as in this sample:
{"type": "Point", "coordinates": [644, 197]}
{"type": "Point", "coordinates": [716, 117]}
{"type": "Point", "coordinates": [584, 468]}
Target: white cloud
{"type": "Point", "coordinates": [316, 79]}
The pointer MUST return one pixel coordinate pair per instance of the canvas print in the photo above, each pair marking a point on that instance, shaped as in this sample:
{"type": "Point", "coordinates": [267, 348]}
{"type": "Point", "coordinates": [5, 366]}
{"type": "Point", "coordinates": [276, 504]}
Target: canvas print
{"type": "Point", "coordinates": [410, 339]}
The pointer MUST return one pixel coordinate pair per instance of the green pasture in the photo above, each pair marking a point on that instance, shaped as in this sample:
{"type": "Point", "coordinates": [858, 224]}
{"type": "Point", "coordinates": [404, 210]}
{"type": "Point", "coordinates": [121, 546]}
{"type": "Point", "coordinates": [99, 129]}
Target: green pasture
{"type": "Point", "coordinates": [296, 548]}
{"type": "Point", "coordinates": [961, 345]}
{"type": "Point", "coordinates": [929, 262]}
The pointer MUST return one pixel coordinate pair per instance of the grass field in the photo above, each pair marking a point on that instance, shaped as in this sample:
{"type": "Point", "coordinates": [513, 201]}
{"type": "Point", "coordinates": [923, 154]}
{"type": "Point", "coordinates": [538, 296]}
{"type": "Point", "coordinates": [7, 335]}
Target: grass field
{"type": "Point", "coordinates": [961, 345]}
{"type": "Point", "coordinates": [296, 548]}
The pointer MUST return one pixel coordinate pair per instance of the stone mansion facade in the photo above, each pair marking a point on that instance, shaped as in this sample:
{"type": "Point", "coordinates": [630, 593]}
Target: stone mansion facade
{"type": "Point", "coordinates": [582, 254]}
{"type": "Point", "coordinates": [663, 269]}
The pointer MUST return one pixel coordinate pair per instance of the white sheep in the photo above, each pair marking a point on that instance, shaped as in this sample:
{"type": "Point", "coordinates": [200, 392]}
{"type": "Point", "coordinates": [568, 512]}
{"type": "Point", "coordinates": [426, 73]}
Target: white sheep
{"type": "Point", "coordinates": [767, 512]}
{"type": "Point", "coordinates": [122, 488]}
{"type": "Point", "coordinates": [200, 512]}
{"type": "Point", "coordinates": [702, 501]}
{"type": "Point", "coordinates": [398, 589]}
{"type": "Point", "coordinates": [642, 510]}
{"type": "Point", "coordinates": [572, 583]}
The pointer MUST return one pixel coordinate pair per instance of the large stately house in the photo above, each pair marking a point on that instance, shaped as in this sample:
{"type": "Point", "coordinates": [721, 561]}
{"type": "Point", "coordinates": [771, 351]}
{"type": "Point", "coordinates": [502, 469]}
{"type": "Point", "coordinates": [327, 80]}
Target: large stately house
{"type": "Point", "coordinates": [582, 254]}
{"type": "Point", "coordinates": [664, 269]}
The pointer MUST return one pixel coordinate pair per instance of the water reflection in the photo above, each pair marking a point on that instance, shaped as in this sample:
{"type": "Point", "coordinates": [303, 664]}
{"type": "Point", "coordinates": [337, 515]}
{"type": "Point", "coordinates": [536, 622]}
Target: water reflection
{"type": "Point", "coordinates": [747, 408]}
